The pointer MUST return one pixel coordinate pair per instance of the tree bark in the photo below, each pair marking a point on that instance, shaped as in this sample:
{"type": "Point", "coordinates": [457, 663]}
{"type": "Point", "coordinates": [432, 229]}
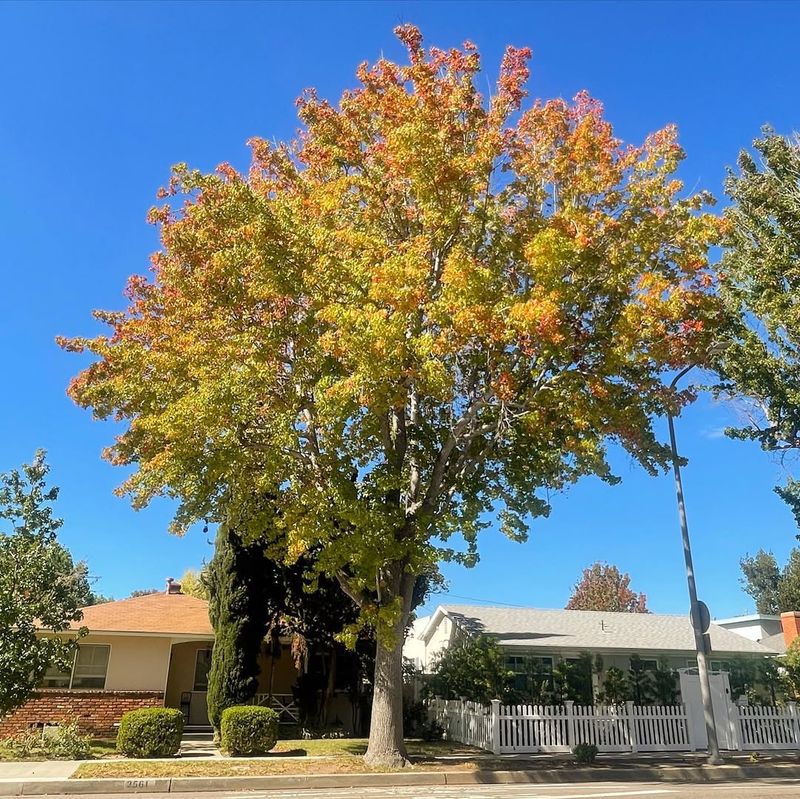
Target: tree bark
{"type": "Point", "coordinates": [386, 747]}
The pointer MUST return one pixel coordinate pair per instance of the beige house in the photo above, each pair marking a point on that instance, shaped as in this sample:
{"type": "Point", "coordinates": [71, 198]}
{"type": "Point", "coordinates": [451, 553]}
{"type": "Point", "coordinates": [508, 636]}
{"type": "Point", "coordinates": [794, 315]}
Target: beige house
{"type": "Point", "coordinates": [147, 651]}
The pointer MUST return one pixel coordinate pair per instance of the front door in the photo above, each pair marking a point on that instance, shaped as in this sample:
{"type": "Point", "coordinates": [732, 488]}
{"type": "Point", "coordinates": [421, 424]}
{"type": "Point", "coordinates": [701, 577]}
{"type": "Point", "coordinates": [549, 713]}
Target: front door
{"type": "Point", "coordinates": [198, 709]}
{"type": "Point", "coordinates": [198, 705]}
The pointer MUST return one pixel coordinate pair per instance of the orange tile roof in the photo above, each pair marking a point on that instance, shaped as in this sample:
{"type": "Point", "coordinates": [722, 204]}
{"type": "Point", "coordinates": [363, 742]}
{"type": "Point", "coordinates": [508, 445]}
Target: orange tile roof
{"type": "Point", "coordinates": [160, 614]}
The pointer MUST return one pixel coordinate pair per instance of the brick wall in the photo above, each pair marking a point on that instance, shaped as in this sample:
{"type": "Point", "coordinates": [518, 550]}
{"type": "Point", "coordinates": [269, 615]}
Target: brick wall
{"type": "Point", "coordinates": [95, 711]}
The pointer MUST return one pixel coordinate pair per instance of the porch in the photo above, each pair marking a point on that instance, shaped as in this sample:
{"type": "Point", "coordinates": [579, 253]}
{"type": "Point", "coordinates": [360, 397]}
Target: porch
{"type": "Point", "coordinates": [187, 684]}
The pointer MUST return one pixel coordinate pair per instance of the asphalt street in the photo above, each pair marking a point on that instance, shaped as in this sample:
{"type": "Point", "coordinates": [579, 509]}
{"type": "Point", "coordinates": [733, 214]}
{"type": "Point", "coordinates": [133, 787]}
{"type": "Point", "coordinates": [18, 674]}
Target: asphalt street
{"type": "Point", "coordinates": [751, 789]}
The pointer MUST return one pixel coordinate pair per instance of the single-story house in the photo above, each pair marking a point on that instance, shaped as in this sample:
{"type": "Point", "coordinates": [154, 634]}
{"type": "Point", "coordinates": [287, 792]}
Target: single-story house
{"type": "Point", "coordinates": [552, 636]}
{"type": "Point", "coordinates": [153, 651]}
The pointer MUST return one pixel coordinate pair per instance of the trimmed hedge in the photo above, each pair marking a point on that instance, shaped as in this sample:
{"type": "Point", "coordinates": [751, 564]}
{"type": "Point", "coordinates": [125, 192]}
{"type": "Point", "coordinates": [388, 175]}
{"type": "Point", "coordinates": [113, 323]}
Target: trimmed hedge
{"type": "Point", "coordinates": [248, 730]}
{"type": "Point", "coordinates": [150, 732]}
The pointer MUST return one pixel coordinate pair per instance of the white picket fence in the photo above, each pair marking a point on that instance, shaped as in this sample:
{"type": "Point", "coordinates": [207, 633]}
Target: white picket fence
{"type": "Point", "coordinates": [558, 728]}
{"type": "Point", "coordinates": [764, 727]}
{"type": "Point", "coordinates": [505, 729]}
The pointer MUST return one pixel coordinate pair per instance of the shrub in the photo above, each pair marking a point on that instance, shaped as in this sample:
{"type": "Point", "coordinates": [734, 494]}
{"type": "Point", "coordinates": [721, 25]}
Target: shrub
{"type": "Point", "coordinates": [52, 743]}
{"type": "Point", "coordinates": [585, 753]}
{"type": "Point", "coordinates": [475, 670]}
{"type": "Point", "coordinates": [150, 732]}
{"type": "Point", "coordinates": [248, 730]}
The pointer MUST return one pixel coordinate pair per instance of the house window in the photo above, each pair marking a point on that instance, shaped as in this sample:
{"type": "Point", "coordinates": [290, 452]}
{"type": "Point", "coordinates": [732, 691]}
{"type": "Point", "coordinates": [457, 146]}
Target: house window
{"type": "Point", "coordinates": [89, 669]}
{"type": "Point", "coordinates": [720, 665]}
{"type": "Point", "coordinates": [525, 667]}
{"type": "Point", "coordinates": [644, 664]}
{"type": "Point", "coordinates": [53, 678]}
{"type": "Point", "coordinates": [91, 665]}
{"type": "Point", "coordinates": [201, 668]}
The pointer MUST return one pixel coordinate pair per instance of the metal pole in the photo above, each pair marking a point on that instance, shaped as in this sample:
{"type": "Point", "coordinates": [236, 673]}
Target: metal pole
{"type": "Point", "coordinates": [702, 664]}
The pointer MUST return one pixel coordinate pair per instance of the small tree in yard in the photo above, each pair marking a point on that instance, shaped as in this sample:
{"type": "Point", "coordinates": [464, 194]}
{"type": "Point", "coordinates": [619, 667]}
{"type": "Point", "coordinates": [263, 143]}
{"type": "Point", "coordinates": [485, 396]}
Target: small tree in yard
{"type": "Point", "coordinates": [429, 308]}
{"type": "Point", "coordinates": [39, 587]}
{"type": "Point", "coordinates": [473, 669]}
{"type": "Point", "coordinates": [604, 587]}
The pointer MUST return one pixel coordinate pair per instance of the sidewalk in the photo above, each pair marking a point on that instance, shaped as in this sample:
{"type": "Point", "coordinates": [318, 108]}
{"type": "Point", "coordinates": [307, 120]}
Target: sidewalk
{"type": "Point", "coordinates": [37, 769]}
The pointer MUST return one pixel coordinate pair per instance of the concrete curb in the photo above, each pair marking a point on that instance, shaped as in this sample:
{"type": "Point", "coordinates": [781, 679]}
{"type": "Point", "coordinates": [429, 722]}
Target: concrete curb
{"type": "Point", "coordinates": [670, 774]}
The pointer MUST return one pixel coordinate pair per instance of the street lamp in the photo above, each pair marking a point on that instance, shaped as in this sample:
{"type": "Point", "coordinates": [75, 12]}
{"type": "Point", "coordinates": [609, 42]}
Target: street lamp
{"type": "Point", "coordinates": [697, 622]}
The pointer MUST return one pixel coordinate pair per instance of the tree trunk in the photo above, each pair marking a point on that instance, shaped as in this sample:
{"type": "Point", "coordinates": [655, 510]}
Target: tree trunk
{"type": "Point", "coordinates": [330, 685]}
{"type": "Point", "coordinates": [386, 747]}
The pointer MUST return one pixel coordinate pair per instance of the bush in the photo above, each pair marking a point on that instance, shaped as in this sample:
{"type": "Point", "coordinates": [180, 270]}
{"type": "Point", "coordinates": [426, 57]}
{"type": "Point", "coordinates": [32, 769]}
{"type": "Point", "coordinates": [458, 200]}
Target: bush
{"type": "Point", "coordinates": [150, 732]}
{"type": "Point", "coordinates": [248, 730]}
{"type": "Point", "coordinates": [585, 753]}
{"type": "Point", "coordinates": [52, 743]}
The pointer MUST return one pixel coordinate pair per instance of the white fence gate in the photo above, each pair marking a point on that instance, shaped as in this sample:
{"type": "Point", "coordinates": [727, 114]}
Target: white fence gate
{"type": "Point", "coordinates": [505, 729]}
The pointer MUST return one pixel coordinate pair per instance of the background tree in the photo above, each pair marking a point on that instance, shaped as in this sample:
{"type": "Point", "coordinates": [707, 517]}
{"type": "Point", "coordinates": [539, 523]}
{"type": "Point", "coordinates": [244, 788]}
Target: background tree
{"type": "Point", "coordinates": [429, 308]}
{"type": "Point", "coordinates": [761, 579]}
{"type": "Point", "coordinates": [604, 587]}
{"type": "Point", "coordinates": [760, 284]}
{"type": "Point", "coordinates": [194, 584]}
{"type": "Point", "coordinates": [774, 589]}
{"type": "Point", "coordinates": [38, 586]}
{"type": "Point", "coordinates": [144, 592]}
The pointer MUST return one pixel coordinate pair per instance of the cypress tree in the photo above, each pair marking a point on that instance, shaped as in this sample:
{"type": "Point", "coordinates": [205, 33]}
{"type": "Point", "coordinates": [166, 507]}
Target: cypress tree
{"type": "Point", "coordinates": [238, 579]}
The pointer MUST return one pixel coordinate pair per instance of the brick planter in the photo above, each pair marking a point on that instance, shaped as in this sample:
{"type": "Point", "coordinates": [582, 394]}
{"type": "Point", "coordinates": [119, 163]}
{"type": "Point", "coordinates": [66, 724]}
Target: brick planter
{"type": "Point", "coordinates": [95, 711]}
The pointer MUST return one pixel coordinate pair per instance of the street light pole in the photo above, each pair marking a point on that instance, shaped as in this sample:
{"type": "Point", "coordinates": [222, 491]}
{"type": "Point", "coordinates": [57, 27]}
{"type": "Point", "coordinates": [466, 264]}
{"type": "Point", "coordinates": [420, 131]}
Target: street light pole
{"type": "Point", "coordinates": [702, 663]}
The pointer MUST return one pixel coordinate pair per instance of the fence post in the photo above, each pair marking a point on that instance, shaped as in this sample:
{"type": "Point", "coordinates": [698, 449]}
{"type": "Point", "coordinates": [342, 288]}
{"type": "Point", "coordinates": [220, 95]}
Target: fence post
{"type": "Point", "coordinates": [689, 709]}
{"type": "Point", "coordinates": [495, 720]}
{"type": "Point", "coordinates": [569, 707]}
{"type": "Point", "coordinates": [734, 726]}
{"type": "Point", "coordinates": [792, 707]}
{"type": "Point", "coordinates": [633, 739]}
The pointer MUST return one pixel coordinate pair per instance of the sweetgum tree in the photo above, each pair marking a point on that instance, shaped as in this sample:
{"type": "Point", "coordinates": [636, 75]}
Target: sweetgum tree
{"type": "Point", "coordinates": [430, 307]}
{"type": "Point", "coordinates": [605, 587]}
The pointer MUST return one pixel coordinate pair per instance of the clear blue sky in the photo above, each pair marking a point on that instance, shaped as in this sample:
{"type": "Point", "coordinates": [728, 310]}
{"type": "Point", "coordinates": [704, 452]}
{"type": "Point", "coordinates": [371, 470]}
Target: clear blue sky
{"type": "Point", "coordinates": [100, 99]}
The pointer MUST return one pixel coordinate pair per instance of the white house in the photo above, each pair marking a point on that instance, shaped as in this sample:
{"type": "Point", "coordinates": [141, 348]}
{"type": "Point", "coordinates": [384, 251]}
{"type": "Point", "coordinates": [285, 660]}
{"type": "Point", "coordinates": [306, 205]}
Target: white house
{"type": "Point", "coordinates": [556, 635]}
{"type": "Point", "coordinates": [772, 631]}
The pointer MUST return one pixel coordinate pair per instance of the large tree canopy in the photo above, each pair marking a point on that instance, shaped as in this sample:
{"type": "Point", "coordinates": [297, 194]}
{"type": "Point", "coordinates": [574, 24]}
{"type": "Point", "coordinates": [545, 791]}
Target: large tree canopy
{"type": "Point", "coordinates": [604, 587]}
{"type": "Point", "coordinates": [40, 588]}
{"type": "Point", "coordinates": [760, 282]}
{"type": "Point", "coordinates": [428, 308]}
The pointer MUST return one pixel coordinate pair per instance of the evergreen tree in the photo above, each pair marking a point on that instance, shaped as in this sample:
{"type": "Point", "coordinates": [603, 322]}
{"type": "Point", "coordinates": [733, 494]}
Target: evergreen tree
{"type": "Point", "coordinates": [775, 590]}
{"type": "Point", "coordinates": [238, 581]}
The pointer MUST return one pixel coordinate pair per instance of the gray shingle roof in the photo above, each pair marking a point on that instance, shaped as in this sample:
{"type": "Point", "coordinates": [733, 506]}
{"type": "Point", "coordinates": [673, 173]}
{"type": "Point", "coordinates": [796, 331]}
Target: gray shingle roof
{"type": "Point", "coordinates": [594, 630]}
{"type": "Point", "coordinates": [776, 642]}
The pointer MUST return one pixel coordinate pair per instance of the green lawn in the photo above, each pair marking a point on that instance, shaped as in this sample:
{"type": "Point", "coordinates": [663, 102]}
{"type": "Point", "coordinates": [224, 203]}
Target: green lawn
{"type": "Point", "coordinates": [333, 747]}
